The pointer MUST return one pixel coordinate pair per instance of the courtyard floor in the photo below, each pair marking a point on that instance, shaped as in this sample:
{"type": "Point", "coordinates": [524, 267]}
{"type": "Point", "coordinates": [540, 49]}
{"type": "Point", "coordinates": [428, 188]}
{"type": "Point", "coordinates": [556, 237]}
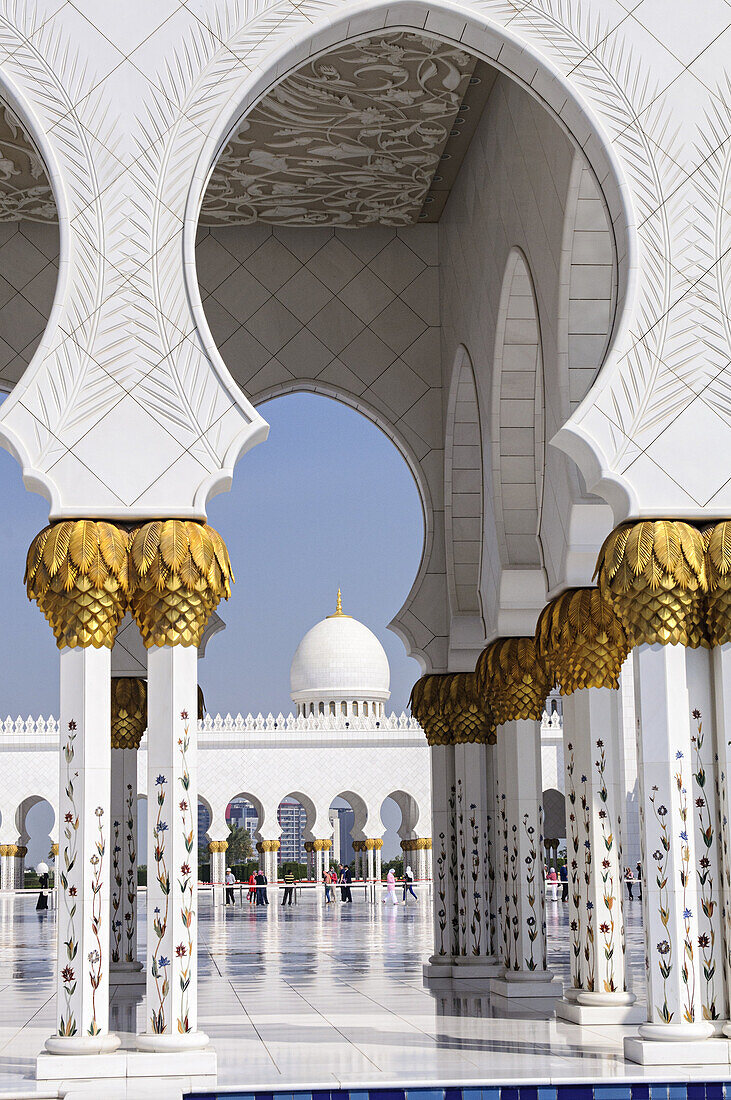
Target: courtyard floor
{"type": "Point", "coordinates": [317, 997]}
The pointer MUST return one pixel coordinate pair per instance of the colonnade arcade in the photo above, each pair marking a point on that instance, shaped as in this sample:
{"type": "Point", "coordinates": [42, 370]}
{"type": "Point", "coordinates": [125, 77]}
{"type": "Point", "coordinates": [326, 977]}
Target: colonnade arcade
{"type": "Point", "coordinates": [661, 601]}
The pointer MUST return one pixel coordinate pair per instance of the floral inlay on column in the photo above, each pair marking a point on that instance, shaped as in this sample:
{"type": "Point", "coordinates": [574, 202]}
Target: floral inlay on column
{"type": "Point", "coordinates": [96, 955]}
{"type": "Point", "coordinates": [685, 873]}
{"type": "Point", "coordinates": [514, 895]}
{"type": "Point", "coordinates": [665, 947]}
{"type": "Point", "coordinates": [589, 942]}
{"type": "Point", "coordinates": [159, 962]}
{"type": "Point", "coordinates": [131, 876]}
{"type": "Point", "coordinates": [186, 882]}
{"type": "Point", "coordinates": [575, 923]}
{"type": "Point", "coordinates": [530, 879]}
{"type": "Point", "coordinates": [67, 1024]}
{"type": "Point", "coordinates": [476, 923]}
{"type": "Point", "coordinates": [453, 870]}
{"type": "Point", "coordinates": [606, 924]}
{"type": "Point", "coordinates": [442, 893]}
{"type": "Point", "coordinates": [461, 844]}
{"type": "Point", "coordinates": [707, 937]}
{"type": "Point", "coordinates": [116, 899]}
{"type": "Point", "coordinates": [506, 883]}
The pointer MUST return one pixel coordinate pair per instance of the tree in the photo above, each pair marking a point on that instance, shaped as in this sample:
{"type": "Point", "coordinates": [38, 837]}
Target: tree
{"type": "Point", "coordinates": [239, 845]}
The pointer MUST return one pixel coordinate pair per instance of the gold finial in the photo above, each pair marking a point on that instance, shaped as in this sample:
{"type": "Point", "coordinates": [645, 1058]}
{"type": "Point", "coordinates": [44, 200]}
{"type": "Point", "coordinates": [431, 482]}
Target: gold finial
{"type": "Point", "coordinates": [339, 613]}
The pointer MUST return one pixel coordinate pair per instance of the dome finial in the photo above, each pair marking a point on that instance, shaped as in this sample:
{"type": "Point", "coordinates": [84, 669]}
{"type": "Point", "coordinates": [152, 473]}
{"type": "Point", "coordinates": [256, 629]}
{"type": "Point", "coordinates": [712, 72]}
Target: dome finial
{"type": "Point", "coordinates": [338, 613]}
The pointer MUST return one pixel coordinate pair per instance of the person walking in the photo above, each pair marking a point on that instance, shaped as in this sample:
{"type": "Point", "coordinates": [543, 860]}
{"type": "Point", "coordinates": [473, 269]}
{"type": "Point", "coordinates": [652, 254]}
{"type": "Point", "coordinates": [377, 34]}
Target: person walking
{"type": "Point", "coordinates": [230, 883]}
{"type": "Point", "coordinates": [639, 880]}
{"type": "Point", "coordinates": [390, 897]}
{"type": "Point", "coordinates": [42, 872]}
{"type": "Point", "coordinates": [563, 874]}
{"type": "Point", "coordinates": [409, 885]}
{"type": "Point", "coordinates": [261, 888]}
{"type": "Point", "coordinates": [552, 884]}
{"type": "Point", "coordinates": [252, 888]}
{"type": "Point", "coordinates": [345, 880]}
{"type": "Point", "coordinates": [629, 878]}
{"type": "Point", "coordinates": [288, 888]}
{"type": "Point", "coordinates": [327, 880]}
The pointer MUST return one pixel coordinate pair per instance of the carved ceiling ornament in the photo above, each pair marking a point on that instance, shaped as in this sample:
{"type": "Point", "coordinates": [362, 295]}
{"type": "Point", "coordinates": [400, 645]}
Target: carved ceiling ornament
{"type": "Point", "coordinates": [25, 190]}
{"type": "Point", "coordinates": [353, 138]}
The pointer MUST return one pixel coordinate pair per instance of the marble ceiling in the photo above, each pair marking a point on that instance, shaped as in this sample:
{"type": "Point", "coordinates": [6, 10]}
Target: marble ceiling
{"type": "Point", "coordinates": [372, 133]}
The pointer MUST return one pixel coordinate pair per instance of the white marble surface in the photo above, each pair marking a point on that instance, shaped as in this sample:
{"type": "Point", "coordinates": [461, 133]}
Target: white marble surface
{"type": "Point", "coordinates": [317, 998]}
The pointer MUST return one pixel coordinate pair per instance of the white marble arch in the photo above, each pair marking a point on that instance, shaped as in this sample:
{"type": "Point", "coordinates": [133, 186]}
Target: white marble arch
{"type": "Point", "coordinates": [464, 449]}
{"type": "Point", "coordinates": [517, 413]}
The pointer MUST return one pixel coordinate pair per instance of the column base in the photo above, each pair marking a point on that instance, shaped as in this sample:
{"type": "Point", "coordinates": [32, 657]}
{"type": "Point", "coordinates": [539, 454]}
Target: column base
{"type": "Point", "coordinates": [126, 974]}
{"type": "Point", "coordinates": [689, 1052]}
{"type": "Point", "coordinates": [611, 1012]}
{"type": "Point", "coordinates": [188, 1063]}
{"type": "Point", "coordinates": [59, 1067]}
{"type": "Point", "coordinates": [82, 1045]}
{"type": "Point", "coordinates": [438, 967]}
{"type": "Point", "coordinates": [527, 983]}
{"type": "Point", "coordinates": [171, 1043]}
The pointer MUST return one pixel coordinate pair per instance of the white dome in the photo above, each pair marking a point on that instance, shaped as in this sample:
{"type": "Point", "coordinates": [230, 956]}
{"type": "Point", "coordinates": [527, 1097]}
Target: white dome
{"type": "Point", "coordinates": [339, 658]}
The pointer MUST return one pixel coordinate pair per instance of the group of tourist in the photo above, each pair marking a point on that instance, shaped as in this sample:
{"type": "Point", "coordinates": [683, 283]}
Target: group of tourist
{"type": "Point", "coordinates": [336, 877]}
{"type": "Point", "coordinates": [554, 878]}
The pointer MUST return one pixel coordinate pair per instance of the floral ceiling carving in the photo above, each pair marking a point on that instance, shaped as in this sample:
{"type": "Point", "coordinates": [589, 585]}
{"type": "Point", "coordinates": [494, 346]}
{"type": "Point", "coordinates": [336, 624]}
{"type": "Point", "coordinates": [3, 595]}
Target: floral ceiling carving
{"type": "Point", "coordinates": [352, 138]}
{"type": "Point", "coordinates": [25, 191]}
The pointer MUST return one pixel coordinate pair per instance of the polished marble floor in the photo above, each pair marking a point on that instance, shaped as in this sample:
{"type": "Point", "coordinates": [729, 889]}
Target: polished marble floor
{"type": "Point", "coordinates": [318, 996]}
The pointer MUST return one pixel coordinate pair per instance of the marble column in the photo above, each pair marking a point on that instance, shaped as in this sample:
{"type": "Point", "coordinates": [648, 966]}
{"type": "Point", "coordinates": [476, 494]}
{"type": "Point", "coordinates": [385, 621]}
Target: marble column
{"type": "Point", "coordinates": [217, 850]}
{"type": "Point", "coordinates": [7, 866]}
{"type": "Point", "coordinates": [444, 863]}
{"type": "Point", "coordinates": [378, 853]}
{"type": "Point", "coordinates": [671, 895]}
{"type": "Point", "coordinates": [21, 853]}
{"type": "Point", "coordinates": [475, 958]}
{"type": "Point", "coordinates": [721, 656]}
{"type": "Point", "coordinates": [124, 966]}
{"type": "Point", "coordinates": [82, 968]}
{"type": "Point", "coordinates": [598, 993]}
{"type": "Point", "coordinates": [526, 973]}
{"type": "Point", "coordinates": [172, 828]}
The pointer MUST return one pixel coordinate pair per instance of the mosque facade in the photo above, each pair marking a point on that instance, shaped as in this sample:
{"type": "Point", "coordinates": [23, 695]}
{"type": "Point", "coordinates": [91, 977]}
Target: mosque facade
{"type": "Point", "coordinates": [500, 230]}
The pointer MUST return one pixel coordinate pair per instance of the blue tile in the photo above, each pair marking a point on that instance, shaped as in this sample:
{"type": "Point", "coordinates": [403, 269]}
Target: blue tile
{"type": "Point", "coordinates": [357, 1095]}
{"type": "Point", "coordinates": [660, 1092]}
{"type": "Point", "coordinates": [471, 1094]}
{"type": "Point", "coordinates": [642, 1092]}
{"type": "Point", "coordinates": [614, 1092]}
{"type": "Point", "coordinates": [677, 1092]}
{"type": "Point", "coordinates": [264, 1096]}
{"type": "Point", "coordinates": [545, 1093]}
{"type": "Point", "coordinates": [714, 1091]}
{"type": "Point", "coordinates": [696, 1092]}
{"type": "Point", "coordinates": [530, 1093]}
{"type": "Point", "coordinates": [491, 1094]}
{"type": "Point", "coordinates": [426, 1094]}
{"type": "Point", "coordinates": [509, 1094]}
{"type": "Point", "coordinates": [320, 1096]}
{"type": "Point", "coordinates": [398, 1094]}
{"type": "Point", "coordinates": [575, 1092]}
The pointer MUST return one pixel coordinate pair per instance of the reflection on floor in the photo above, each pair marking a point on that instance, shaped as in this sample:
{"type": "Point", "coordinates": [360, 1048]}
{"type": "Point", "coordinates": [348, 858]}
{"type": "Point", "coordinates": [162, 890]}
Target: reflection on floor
{"type": "Point", "coordinates": [315, 996]}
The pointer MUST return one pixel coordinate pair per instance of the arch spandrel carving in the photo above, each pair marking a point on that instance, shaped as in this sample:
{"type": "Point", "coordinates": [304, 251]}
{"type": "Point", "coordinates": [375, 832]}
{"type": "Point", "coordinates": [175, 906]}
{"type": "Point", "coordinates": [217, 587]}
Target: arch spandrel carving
{"type": "Point", "coordinates": [588, 67]}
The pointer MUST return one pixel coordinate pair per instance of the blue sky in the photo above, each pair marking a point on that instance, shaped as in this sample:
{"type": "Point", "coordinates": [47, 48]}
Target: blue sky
{"type": "Point", "coordinates": [326, 502]}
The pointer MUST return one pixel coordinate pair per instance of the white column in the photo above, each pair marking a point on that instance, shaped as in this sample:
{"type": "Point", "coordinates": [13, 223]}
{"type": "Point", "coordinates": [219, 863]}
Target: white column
{"type": "Point", "coordinates": [378, 862]}
{"type": "Point", "coordinates": [492, 852]}
{"type": "Point", "coordinates": [217, 864]}
{"type": "Point", "coordinates": [527, 974]}
{"type": "Point", "coordinates": [722, 713]}
{"type": "Point", "coordinates": [82, 960]}
{"type": "Point", "coordinates": [676, 1028]}
{"type": "Point", "coordinates": [172, 877]}
{"type": "Point", "coordinates": [444, 897]}
{"type": "Point", "coordinates": [595, 799]}
{"type": "Point", "coordinates": [471, 778]}
{"type": "Point", "coordinates": [707, 752]}
{"type": "Point", "coordinates": [371, 864]}
{"type": "Point", "coordinates": [319, 865]}
{"type": "Point", "coordinates": [123, 900]}
{"type": "Point", "coordinates": [7, 868]}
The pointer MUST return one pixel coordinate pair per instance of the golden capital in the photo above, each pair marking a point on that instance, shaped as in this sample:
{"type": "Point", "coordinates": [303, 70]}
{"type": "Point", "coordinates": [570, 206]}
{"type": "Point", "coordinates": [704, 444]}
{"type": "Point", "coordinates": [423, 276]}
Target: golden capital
{"type": "Point", "coordinates": [654, 574]}
{"type": "Point", "coordinates": [217, 846]}
{"type": "Point", "coordinates": [373, 843]}
{"type": "Point", "coordinates": [179, 571]}
{"type": "Point", "coordinates": [7, 849]}
{"type": "Point", "coordinates": [21, 851]}
{"type": "Point", "coordinates": [580, 641]}
{"type": "Point", "coordinates": [268, 846]}
{"type": "Point", "coordinates": [717, 542]}
{"type": "Point", "coordinates": [511, 676]}
{"type": "Point", "coordinates": [54, 850]}
{"type": "Point", "coordinates": [451, 710]}
{"type": "Point", "coordinates": [77, 573]}
{"type": "Point", "coordinates": [129, 711]}
{"type": "Point", "coordinates": [310, 845]}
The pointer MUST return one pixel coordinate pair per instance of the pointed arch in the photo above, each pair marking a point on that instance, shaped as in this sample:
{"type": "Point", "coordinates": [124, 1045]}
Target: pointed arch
{"type": "Point", "coordinates": [518, 420]}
